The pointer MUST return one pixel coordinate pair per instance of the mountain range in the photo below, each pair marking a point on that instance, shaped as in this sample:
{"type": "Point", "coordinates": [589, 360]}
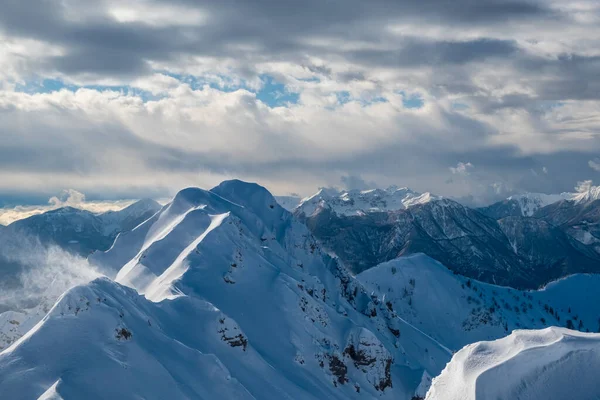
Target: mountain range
{"type": "Point", "coordinates": [223, 293]}
{"type": "Point", "coordinates": [522, 242]}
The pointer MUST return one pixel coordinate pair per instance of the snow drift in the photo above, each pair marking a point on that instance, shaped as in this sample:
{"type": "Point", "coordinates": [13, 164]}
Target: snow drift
{"type": "Point", "coordinates": [551, 364]}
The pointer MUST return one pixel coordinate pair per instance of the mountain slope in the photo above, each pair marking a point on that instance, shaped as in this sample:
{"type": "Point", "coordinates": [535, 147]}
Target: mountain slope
{"type": "Point", "coordinates": [461, 238]}
{"type": "Point", "coordinates": [456, 311]}
{"type": "Point", "coordinates": [522, 252]}
{"type": "Point", "coordinates": [225, 272]}
{"type": "Point", "coordinates": [552, 364]}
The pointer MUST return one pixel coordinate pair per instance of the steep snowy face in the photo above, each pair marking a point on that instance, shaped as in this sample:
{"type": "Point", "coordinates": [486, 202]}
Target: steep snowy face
{"type": "Point", "coordinates": [28, 245]}
{"type": "Point", "coordinates": [552, 364]}
{"type": "Point", "coordinates": [358, 202]}
{"type": "Point", "coordinates": [234, 288]}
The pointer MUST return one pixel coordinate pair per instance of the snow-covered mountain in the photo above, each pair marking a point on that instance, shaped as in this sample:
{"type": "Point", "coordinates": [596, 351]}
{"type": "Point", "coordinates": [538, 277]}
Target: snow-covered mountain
{"type": "Point", "coordinates": [358, 202]}
{"type": "Point", "coordinates": [455, 310]}
{"type": "Point", "coordinates": [238, 300]}
{"type": "Point", "coordinates": [225, 294]}
{"type": "Point", "coordinates": [551, 364]}
{"type": "Point", "coordinates": [81, 231]}
{"type": "Point", "coordinates": [459, 237]}
{"type": "Point", "coordinates": [289, 202]}
{"type": "Point", "coordinates": [522, 252]}
{"type": "Point", "coordinates": [527, 204]}
{"type": "Point", "coordinates": [524, 205]}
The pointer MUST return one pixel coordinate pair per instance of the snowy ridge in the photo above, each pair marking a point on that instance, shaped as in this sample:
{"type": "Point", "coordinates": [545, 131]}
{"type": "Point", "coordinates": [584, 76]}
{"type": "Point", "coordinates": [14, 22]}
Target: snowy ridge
{"type": "Point", "coordinates": [357, 202]}
{"type": "Point", "coordinates": [552, 364]}
{"type": "Point", "coordinates": [239, 300]}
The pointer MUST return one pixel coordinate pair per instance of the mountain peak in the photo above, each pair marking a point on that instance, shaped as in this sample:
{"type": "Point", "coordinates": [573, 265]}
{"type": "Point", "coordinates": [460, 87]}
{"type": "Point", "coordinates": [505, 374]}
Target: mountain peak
{"type": "Point", "coordinates": [590, 194]}
{"type": "Point", "coordinates": [246, 194]}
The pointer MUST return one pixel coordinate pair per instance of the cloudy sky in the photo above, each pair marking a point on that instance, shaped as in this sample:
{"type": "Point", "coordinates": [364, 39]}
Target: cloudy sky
{"type": "Point", "coordinates": [128, 99]}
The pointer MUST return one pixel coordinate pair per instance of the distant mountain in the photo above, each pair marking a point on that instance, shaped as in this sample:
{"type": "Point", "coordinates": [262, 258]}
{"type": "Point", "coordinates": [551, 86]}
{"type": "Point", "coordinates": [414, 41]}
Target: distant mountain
{"type": "Point", "coordinates": [524, 205]}
{"type": "Point", "coordinates": [73, 230]}
{"type": "Point", "coordinates": [81, 231]}
{"type": "Point", "coordinates": [359, 202]}
{"type": "Point", "coordinates": [551, 364]}
{"type": "Point", "coordinates": [514, 251]}
{"type": "Point", "coordinates": [288, 202]}
{"type": "Point", "coordinates": [528, 204]}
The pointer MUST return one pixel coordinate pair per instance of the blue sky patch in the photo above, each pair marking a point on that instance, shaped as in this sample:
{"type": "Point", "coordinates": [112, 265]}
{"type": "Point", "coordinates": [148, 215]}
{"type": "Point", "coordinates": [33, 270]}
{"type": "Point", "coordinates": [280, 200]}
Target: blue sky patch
{"type": "Point", "coordinates": [275, 94]}
{"type": "Point", "coordinates": [412, 100]}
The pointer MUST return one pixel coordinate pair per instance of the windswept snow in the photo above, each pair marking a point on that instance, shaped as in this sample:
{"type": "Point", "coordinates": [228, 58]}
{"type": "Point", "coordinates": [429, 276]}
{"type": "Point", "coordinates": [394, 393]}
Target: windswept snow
{"type": "Point", "coordinates": [550, 364]}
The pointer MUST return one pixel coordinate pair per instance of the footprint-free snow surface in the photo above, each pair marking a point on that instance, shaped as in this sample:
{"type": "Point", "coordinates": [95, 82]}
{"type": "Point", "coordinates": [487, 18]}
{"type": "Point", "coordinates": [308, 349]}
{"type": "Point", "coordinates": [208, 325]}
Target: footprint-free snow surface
{"type": "Point", "coordinates": [550, 364]}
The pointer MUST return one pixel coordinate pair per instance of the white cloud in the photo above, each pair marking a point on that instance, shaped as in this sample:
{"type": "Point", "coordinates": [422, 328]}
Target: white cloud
{"type": "Point", "coordinates": [583, 186]}
{"type": "Point", "coordinates": [68, 197]}
{"type": "Point", "coordinates": [526, 91]}
{"type": "Point", "coordinates": [462, 168]}
{"type": "Point", "coordinates": [156, 14]}
{"type": "Point", "coordinates": [595, 164]}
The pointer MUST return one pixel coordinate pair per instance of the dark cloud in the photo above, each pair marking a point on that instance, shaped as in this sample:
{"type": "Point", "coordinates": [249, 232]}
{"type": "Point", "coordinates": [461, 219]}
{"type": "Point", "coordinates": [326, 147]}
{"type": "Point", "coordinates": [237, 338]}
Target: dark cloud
{"type": "Point", "coordinates": [355, 182]}
{"type": "Point", "coordinates": [101, 45]}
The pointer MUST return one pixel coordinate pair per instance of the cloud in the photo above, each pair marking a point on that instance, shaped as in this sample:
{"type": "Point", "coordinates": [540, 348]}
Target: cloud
{"type": "Point", "coordinates": [157, 95]}
{"type": "Point", "coordinates": [583, 186]}
{"type": "Point", "coordinates": [595, 164]}
{"type": "Point", "coordinates": [67, 198]}
{"type": "Point", "coordinates": [353, 182]}
{"type": "Point", "coordinates": [462, 168]}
